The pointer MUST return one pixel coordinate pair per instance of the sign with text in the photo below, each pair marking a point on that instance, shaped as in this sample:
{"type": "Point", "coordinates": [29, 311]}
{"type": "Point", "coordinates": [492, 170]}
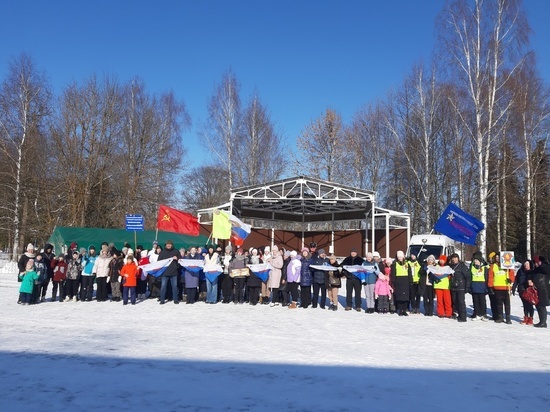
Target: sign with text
{"type": "Point", "coordinates": [135, 222]}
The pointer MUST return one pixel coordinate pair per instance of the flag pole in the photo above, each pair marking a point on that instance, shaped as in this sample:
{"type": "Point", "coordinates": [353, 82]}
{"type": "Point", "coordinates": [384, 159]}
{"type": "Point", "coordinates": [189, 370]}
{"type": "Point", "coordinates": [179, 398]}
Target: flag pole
{"type": "Point", "coordinates": [157, 234]}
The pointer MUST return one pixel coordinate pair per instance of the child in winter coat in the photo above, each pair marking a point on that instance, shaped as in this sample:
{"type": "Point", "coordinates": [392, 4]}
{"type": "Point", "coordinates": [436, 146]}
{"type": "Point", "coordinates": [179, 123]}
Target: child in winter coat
{"type": "Point", "coordinates": [383, 292]}
{"type": "Point", "coordinates": [129, 274]}
{"type": "Point", "coordinates": [28, 278]}
{"type": "Point", "coordinates": [42, 272]}
{"type": "Point", "coordinates": [59, 275]}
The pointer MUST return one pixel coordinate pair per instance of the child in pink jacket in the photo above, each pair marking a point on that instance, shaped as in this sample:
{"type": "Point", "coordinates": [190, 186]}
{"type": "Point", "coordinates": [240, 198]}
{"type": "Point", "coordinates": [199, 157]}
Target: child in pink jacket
{"type": "Point", "coordinates": [383, 292]}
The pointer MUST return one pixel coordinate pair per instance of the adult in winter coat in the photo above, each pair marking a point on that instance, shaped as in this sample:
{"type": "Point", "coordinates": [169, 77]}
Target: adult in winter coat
{"type": "Point", "coordinates": [353, 284]}
{"type": "Point", "coordinates": [442, 290]}
{"type": "Point", "coordinates": [370, 281]}
{"type": "Point", "coordinates": [48, 257]}
{"type": "Point", "coordinates": [334, 282]}
{"type": "Point", "coordinates": [192, 279]}
{"type": "Point", "coordinates": [425, 286]}
{"type": "Point", "coordinates": [101, 272]}
{"type": "Point", "coordinates": [415, 285]}
{"type": "Point", "coordinates": [306, 279]}
{"type": "Point", "coordinates": [115, 265]}
{"type": "Point", "coordinates": [460, 283]}
{"type": "Point", "coordinates": [319, 279]}
{"type": "Point", "coordinates": [293, 273]}
{"type": "Point", "coordinates": [211, 258]}
{"type": "Point", "coordinates": [88, 262]}
{"type": "Point", "coordinates": [226, 281]}
{"type": "Point", "coordinates": [500, 281]}
{"type": "Point", "coordinates": [478, 287]}
{"type": "Point", "coordinates": [171, 272]}
{"type": "Point", "coordinates": [236, 266]}
{"type": "Point", "coordinates": [401, 279]}
{"type": "Point", "coordinates": [523, 275]}
{"type": "Point", "coordinates": [283, 286]}
{"type": "Point", "coordinates": [24, 258]}
{"type": "Point", "coordinates": [541, 280]}
{"type": "Point", "coordinates": [274, 281]}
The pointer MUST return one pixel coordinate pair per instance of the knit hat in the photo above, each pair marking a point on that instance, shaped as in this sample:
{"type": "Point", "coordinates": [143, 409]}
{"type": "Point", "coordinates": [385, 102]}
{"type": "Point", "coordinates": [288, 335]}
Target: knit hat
{"type": "Point", "coordinates": [30, 247]}
{"type": "Point", "coordinates": [400, 254]}
{"type": "Point", "coordinates": [375, 254]}
{"type": "Point", "coordinates": [321, 251]}
{"type": "Point", "coordinates": [443, 258]}
{"type": "Point", "coordinates": [228, 249]}
{"type": "Point", "coordinates": [293, 253]}
{"type": "Point", "coordinates": [492, 255]}
{"type": "Point", "coordinates": [430, 258]}
{"type": "Point", "coordinates": [304, 249]}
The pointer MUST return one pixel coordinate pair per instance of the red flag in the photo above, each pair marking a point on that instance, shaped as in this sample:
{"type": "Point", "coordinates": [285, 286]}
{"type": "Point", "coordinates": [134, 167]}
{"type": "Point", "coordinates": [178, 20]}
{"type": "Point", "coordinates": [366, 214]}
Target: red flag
{"type": "Point", "coordinates": [172, 220]}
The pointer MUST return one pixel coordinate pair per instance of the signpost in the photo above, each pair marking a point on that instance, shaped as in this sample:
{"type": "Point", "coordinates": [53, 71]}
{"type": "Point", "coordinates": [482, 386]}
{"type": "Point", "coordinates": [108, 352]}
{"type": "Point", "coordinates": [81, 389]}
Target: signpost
{"type": "Point", "coordinates": [135, 223]}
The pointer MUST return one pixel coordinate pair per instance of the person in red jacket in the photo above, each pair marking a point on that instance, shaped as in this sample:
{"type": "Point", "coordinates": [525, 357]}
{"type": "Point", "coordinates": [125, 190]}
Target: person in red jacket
{"type": "Point", "coordinates": [59, 267]}
{"type": "Point", "coordinates": [129, 274]}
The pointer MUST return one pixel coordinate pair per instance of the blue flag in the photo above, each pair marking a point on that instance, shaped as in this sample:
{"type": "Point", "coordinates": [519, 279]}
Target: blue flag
{"type": "Point", "coordinates": [459, 225]}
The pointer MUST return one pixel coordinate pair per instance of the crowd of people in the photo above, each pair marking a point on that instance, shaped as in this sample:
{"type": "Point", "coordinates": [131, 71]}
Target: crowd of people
{"type": "Point", "coordinates": [308, 278]}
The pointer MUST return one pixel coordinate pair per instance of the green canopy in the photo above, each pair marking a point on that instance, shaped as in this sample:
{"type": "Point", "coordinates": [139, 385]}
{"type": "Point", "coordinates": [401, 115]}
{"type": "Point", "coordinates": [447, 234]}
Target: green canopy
{"type": "Point", "coordinates": [62, 237]}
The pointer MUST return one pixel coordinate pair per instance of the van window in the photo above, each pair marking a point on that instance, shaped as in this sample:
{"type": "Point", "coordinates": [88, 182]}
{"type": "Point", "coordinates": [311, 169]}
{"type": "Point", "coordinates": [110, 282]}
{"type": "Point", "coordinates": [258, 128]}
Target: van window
{"type": "Point", "coordinates": [423, 251]}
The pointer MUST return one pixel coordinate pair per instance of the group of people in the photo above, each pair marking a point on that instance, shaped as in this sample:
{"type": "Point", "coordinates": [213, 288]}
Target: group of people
{"type": "Point", "coordinates": [309, 278]}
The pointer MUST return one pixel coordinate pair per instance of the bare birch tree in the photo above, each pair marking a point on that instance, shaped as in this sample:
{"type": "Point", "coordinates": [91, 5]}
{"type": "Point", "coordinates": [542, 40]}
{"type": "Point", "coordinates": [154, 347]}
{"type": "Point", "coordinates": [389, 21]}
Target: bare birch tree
{"type": "Point", "coordinates": [324, 149]}
{"type": "Point", "coordinates": [482, 43]}
{"type": "Point", "coordinates": [24, 108]}
{"type": "Point", "coordinates": [223, 127]}
{"type": "Point", "coordinates": [260, 144]}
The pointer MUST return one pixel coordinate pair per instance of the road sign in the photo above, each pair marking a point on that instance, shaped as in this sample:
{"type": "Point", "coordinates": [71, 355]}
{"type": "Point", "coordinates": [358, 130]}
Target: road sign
{"type": "Point", "coordinates": [135, 222]}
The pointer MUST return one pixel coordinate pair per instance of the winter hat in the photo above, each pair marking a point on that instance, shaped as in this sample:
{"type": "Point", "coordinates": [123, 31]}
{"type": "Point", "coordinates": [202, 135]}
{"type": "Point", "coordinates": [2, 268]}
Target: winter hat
{"type": "Point", "coordinates": [74, 245]}
{"type": "Point", "coordinates": [369, 255]}
{"type": "Point", "coordinates": [228, 249]}
{"type": "Point", "coordinates": [443, 258]}
{"type": "Point", "coordinates": [144, 252]}
{"type": "Point", "coordinates": [287, 253]}
{"type": "Point", "coordinates": [430, 258]}
{"type": "Point", "coordinates": [169, 242]}
{"type": "Point", "coordinates": [353, 249]}
{"type": "Point", "coordinates": [140, 247]}
{"type": "Point", "coordinates": [539, 259]}
{"type": "Point", "coordinates": [275, 248]}
{"type": "Point", "coordinates": [375, 254]}
{"type": "Point", "coordinates": [130, 252]}
{"type": "Point", "coordinates": [454, 255]}
{"type": "Point", "coordinates": [293, 254]}
{"type": "Point", "coordinates": [30, 247]}
{"type": "Point", "coordinates": [492, 255]}
{"type": "Point", "coordinates": [254, 251]}
{"type": "Point", "coordinates": [30, 264]}
{"type": "Point", "coordinates": [304, 249]}
{"type": "Point", "coordinates": [82, 250]}
{"type": "Point", "coordinates": [400, 254]}
{"type": "Point", "coordinates": [313, 244]}
{"type": "Point", "coordinates": [266, 249]}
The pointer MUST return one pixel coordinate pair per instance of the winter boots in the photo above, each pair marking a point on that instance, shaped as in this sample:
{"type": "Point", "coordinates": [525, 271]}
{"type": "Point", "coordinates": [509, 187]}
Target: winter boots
{"type": "Point", "coordinates": [526, 321]}
{"type": "Point", "coordinates": [292, 305]}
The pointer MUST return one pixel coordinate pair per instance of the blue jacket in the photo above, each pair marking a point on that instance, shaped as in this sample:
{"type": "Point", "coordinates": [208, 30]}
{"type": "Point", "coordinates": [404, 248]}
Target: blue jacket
{"type": "Point", "coordinates": [478, 286]}
{"type": "Point", "coordinates": [371, 277]}
{"type": "Point", "coordinates": [306, 278]}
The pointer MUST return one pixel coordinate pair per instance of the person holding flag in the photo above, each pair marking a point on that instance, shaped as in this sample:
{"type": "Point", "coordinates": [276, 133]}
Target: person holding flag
{"type": "Point", "coordinates": [171, 272]}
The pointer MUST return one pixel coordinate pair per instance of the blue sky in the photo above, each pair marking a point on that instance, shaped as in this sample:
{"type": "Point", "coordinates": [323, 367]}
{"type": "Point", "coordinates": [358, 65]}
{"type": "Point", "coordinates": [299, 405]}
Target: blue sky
{"type": "Point", "coordinates": [301, 56]}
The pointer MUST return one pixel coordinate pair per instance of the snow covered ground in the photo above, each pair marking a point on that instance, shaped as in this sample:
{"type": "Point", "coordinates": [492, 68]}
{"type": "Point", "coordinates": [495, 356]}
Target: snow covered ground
{"type": "Point", "coordinates": [102, 355]}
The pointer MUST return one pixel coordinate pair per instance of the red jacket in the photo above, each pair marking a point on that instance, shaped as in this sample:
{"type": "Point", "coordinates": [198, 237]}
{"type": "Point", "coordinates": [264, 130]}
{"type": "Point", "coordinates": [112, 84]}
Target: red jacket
{"type": "Point", "coordinates": [129, 273]}
{"type": "Point", "coordinates": [59, 270]}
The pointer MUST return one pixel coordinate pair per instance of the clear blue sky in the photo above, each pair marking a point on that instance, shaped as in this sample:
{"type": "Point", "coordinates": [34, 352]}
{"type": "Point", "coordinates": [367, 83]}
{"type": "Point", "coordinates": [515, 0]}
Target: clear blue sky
{"type": "Point", "coordinates": [301, 56]}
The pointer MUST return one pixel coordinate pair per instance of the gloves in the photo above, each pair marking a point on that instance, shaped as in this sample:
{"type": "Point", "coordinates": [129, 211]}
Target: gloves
{"type": "Point", "coordinates": [108, 279]}
{"type": "Point", "coordinates": [119, 279]}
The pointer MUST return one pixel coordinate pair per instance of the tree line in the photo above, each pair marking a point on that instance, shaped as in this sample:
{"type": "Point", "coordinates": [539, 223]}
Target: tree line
{"type": "Point", "coordinates": [471, 127]}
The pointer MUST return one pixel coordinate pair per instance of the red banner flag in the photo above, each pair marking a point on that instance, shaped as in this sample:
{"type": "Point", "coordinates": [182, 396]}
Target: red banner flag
{"type": "Point", "coordinates": [172, 220]}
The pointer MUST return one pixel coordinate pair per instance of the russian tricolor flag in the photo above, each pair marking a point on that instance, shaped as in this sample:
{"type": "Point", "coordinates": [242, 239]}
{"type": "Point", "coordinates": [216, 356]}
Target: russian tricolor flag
{"type": "Point", "coordinates": [261, 270]}
{"type": "Point", "coordinates": [239, 230]}
{"type": "Point", "coordinates": [157, 268]}
{"type": "Point", "coordinates": [212, 271]}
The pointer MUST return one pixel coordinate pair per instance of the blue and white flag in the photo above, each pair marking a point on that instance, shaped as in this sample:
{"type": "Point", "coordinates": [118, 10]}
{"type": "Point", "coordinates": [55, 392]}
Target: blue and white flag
{"type": "Point", "coordinates": [261, 270]}
{"type": "Point", "coordinates": [212, 271]}
{"type": "Point", "coordinates": [192, 265]}
{"type": "Point", "coordinates": [157, 268]}
{"type": "Point", "coordinates": [325, 267]}
{"type": "Point", "coordinates": [459, 225]}
{"type": "Point", "coordinates": [360, 272]}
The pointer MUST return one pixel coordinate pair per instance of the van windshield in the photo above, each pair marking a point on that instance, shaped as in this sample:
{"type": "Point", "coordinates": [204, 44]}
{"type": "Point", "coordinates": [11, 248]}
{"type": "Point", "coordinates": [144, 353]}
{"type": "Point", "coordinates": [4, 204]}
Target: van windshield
{"type": "Point", "coordinates": [423, 251]}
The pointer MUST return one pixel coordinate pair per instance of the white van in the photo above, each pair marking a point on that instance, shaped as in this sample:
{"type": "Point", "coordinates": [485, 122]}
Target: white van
{"type": "Point", "coordinates": [425, 245]}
